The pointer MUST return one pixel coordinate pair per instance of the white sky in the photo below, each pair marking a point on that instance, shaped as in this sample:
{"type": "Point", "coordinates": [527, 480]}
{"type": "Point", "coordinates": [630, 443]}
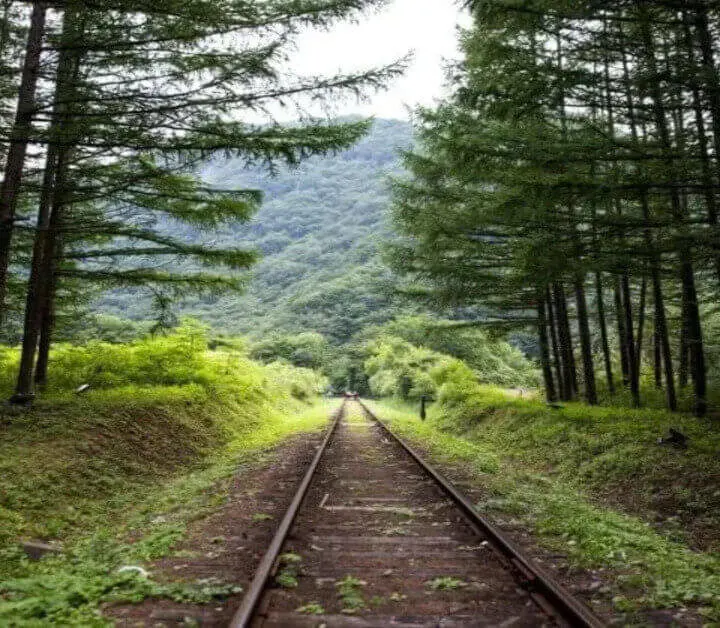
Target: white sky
{"type": "Point", "coordinates": [425, 27]}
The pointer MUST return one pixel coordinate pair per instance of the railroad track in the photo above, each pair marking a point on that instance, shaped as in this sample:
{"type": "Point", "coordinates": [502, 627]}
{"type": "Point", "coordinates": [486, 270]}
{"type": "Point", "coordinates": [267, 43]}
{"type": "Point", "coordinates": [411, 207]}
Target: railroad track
{"type": "Point", "coordinates": [376, 537]}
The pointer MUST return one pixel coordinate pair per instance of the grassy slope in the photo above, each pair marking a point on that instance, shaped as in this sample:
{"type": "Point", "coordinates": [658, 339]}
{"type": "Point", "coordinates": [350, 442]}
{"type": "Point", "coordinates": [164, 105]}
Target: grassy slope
{"type": "Point", "coordinates": [554, 470]}
{"type": "Point", "coordinates": [114, 476]}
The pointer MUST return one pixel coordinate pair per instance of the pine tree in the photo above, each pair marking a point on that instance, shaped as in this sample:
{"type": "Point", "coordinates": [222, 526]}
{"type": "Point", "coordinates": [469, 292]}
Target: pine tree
{"type": "Point", "coordinates": [144, 92]}
{"type": "Point", "coordinates": [582, 143]}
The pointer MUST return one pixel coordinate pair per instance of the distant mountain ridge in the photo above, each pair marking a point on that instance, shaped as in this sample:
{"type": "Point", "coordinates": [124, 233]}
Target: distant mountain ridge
{"type": "Point", "coordinates": [319, 230]}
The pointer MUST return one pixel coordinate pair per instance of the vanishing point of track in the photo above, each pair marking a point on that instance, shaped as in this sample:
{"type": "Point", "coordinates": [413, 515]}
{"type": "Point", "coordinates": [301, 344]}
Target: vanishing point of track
{"type": "Point", "coordinates": [372, 513]}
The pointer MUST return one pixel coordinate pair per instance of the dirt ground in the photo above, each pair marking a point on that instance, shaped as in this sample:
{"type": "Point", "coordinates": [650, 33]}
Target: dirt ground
{"type": "Point", "coordinates": [227, 546]}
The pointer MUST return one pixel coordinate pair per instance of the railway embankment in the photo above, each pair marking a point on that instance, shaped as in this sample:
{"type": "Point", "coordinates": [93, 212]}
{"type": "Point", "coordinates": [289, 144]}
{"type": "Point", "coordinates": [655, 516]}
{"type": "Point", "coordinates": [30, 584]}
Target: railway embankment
{"type": "Point", "coordinates": [590, 491]}
{"type": "Point", "coordinates": [100, 483]}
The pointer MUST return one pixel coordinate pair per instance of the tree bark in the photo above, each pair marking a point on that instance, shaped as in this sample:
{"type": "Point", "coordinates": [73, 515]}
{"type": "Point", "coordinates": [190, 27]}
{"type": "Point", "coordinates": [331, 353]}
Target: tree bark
{"type": "Point", "coordinates": [545, 349]}
{"type": "Point", "coordinates": [662, 338]}
{"type": "Point", "coordinates": [602, 323]}
{"type": "Point", "coordinates": [565, 338]}
{"type": "Point", "coordinates": [47, 327]}
{"type": "Point", "coordinates": [684, 367]}
{"type": "Point", "coordinates": [657, 359]}
{"type": "Point", "coordinates": [52, 203]}
{"type": "Point", "coordinates": [19, 139]}
{"type": "Point", "coordinates": [552, 325]}
{"type": "Point", "coordinates": [708, 180]}
{"type": "Point", "coordinates": [24, 390]}
{"type": "Point", "coordinates": [622, 336]}
{"type": "Point", "coordinates": [585, 343]}
{"type": "Point", "coordinates": [629, 343]}
{"type": "Point", "coordinates": [640, 328]}
{"type": "Point", "coordinates": [695, 340]}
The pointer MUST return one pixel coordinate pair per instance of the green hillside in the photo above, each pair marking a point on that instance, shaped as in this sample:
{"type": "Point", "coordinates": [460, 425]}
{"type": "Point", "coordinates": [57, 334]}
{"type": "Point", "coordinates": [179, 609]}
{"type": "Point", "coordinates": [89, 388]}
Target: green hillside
{"type": "Point", "coordinates": [319, 230]}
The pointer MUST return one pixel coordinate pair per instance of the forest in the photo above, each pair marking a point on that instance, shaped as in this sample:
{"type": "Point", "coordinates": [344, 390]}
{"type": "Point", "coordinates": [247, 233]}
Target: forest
{"type": "Point", "coordinates": [575, 169]}
{"type": "Point", "coordinates": [520, 279]}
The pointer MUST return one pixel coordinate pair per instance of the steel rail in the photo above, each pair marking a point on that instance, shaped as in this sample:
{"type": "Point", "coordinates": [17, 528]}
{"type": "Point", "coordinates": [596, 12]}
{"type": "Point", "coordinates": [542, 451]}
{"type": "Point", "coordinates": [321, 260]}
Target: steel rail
{"type": "Point", "coordinates": [245, 613]}
{"type": "Point", "coordinates": [553, 596]}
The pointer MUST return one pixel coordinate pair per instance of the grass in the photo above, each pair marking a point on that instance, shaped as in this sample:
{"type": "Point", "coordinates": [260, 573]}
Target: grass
{"type": "Point", "coordinates": [445, 583]}
{"type": "Point", "coordinates": [613, 453]}
{"type": "Point", "coordinates": [546, 467]}
{"type": "Point", "coordinates": [349, 592]}
{"type": "Point", "coordinates": [290, 566]}
{"type": "Point", "coordinates": [113, 477]}
{"type": "Point", "coordinates": [134, 526]}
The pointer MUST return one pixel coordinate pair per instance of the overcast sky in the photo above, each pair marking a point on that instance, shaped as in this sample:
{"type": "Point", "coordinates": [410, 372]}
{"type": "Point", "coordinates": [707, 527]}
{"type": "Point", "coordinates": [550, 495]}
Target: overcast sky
{"type": "Point", "coordinates": [426, 27]}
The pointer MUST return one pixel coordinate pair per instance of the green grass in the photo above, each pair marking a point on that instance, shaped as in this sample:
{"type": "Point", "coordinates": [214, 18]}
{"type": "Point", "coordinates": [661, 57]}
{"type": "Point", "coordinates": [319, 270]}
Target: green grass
{"type": "Point", "coordinates": [544, 467]}
{"type": "Point", "coordinates": [610, 451]}
{"type": "Point", "coordinates": [114, 476]}
{"type": "Point", "coordinates": [135, 525]}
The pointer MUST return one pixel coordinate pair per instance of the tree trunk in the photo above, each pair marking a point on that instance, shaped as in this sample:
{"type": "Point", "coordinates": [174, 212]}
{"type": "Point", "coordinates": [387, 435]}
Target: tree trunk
{"type": "Point", "coordinates": [640, 328]}
{"type": "Point", "coordinates": [552, 325]}
{"type": "Point", "coordinates": [710, 74]}
{"type": "Point", "coordinates": [19, 135]}
{"type": "Point", "coordinates": [52, 203]}
{"type": "Point", "coordinates": [585, 343]}
{"type": "Point", "coordinates": [602, 323]}
{"type": "Point", "coordinates": [629, 344]}
{"type": "Point", "coordinates": [657, 360]}
{"type": "Point", "coordinates": [708, 180]}
{"type": "Point", "coordinates": [47, 327]}
{"type": "Point", "coordinates": [44, 243]}
{"type": "Point", "coordinates": [565, 338]}
{"type": "Point", "coordinates": [545, 349]}
{"type": "Point", "coordinates": [687, 273]}
{"type": "Point", "coordinates": [661, 331]}
{"type": "Point", "coordinates": [684, 368]}
{"type": "Point", "coordinates": [622, 336]}
{"type": "Point", "coordinates": [695, 340]}
{"type": "Point", "coordinates": [662, 338]}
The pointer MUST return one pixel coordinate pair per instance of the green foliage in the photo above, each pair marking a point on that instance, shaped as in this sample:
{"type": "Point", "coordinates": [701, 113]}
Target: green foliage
{"type": "Point", "coordinates": [492, 359]}
{"type": "Point", "coordinates": [556, 467]}
{"type": "Point", "coordinates": [102, 327]}
{"type": "Point", "coordinates": [312, 608]}
{"type": "Point", "coordinates": [318, 230]}
{"type": "Point", "coordinates": [308, 349]}
{"type": "Point", "coordinates": [290, 566]}
{"type": "Point", "coordinates": [395, 367]}
{"type": "Point", "coordinates": [113, 475]}
{"type": "Point", "coordinates": [445, 583]}
{"type": "Point", "coordinates": [350, 594]}
{"type": "Point", "coordinates": [180, 358]}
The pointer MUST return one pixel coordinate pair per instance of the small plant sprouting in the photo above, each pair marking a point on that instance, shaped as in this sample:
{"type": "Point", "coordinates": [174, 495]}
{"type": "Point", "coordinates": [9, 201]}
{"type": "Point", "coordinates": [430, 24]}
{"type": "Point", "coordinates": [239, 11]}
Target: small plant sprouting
{"type": "Point", "coordinates": [261, 516]}
{"type": "Point", "coordinates": [290, 566]}
{"type": "Point", "coordinates": [445, 583]}
{"type": "Point", "coordinates": [312, 608]}
{"type": "Point", "coordinates": [349, 593]}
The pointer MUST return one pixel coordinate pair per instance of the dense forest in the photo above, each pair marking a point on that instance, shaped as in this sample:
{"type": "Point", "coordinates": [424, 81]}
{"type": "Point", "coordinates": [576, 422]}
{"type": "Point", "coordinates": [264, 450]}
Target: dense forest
{"type": "Point", "coordinates": [319, 233]}
{"type": "Point", "coordinates": [575, 169]}
{"type": "Point", "coordinates": [205, 259]}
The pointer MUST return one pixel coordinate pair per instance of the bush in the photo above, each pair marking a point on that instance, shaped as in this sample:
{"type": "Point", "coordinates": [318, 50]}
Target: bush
{"type": "Point", "coordinates": [397, 368]}
{"type": "Point", "coordinates": [493, 360]}
{"type": "Point", "coordinates": [303, 383]}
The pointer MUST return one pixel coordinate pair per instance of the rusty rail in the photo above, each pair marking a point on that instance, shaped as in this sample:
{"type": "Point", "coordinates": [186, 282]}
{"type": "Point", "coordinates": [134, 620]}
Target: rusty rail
{"type": "Point", "coordinates": [251, 600]}
{"type": "Point", "coordinates": [544, 589]}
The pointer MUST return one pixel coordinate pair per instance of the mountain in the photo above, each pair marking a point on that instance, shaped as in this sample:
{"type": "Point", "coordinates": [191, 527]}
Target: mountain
{"type": "Point", "coordinates": [319, 230]}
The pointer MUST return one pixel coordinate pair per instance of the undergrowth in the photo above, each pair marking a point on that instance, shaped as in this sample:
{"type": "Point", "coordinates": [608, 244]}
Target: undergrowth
{"type": "Point", "coordinates": [113, 476]}
{"type": "Point", "coordinates": [543, 466]}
